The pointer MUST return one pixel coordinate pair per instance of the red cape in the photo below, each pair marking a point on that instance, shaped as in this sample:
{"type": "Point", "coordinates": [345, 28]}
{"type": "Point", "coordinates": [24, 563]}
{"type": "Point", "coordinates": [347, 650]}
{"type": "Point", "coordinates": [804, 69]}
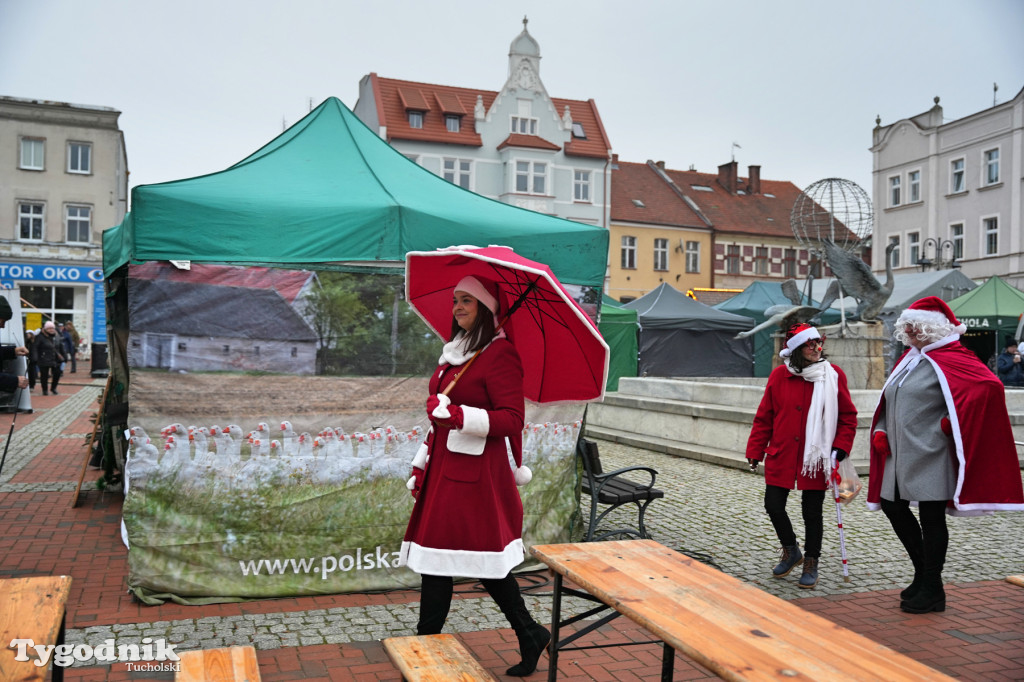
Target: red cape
{"type": "Point", "coordinates": [988, 475]}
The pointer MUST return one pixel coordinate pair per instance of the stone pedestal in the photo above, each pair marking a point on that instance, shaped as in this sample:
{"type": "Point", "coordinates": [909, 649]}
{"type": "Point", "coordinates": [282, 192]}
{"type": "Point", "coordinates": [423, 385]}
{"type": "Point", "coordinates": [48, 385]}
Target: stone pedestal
{"type": "Point", "coordinates": [858, 348]}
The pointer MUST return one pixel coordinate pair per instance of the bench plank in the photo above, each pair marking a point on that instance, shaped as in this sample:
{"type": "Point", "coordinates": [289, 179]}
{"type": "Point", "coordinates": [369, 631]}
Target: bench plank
{"type": "Point", "coordinates": [228, 664]}
{"type": "Point", "coordinates": [1016, 580]}
{"type": "Point", "coordinates": [730, 627]}
{"type": "Point", "coordinates": [434, 658]}
{"type": "Point", "coordinates": [30, 608]}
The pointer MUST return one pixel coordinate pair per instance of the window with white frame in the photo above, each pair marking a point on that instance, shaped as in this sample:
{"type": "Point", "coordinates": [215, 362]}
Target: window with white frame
{"type": "Point", "coordinates": [661, 254]}
{"type": "Point", "coordinates": [30, 221]}
{"type": "Point", "coordinates": [524, 125]}
{"type": "Point", "coordinates": [914, 247]}
{"type": "Point", "coordinates": [957, 176]}
{"type": "Point", "coordinates": [761, 260]}
{"type": "Point", "coordinates": [531, 177]}
{"type": "Point", "coordinates": [894, 257]}
{"type": "Point", "coordinates": [415, 119]}
{"type": "Point", "coordinates": [458, 171]}
{"type": "Point", "coordinates": [79, 157]}
{"type": "Point", "coordinates": [79, 222]}
{"type": "Point", "coordinates": [452, 123]}
{"type": "Point", "coordinates": [991, 166]}
{"type": "Point", "coordinates": [956, 235]}
{"type": "Point", "coordinates": [693, 256]}
{"type": "Point", "coordinates": [581, 185]}
{"type": "Point", "coordinates": [990, 231]}
{"type": "Point", "coordinates": [32, 149]}
{"type": "Point", "coordinates": [629, 253]}
{"type": "Point", "coordinates": [789, 263]}
{"type": "Point", "coordinates": [732, 259]}
{"type": "Point", "coordinates": [894, 190]}
{"type": "Point", "coordinates": [914, 186]}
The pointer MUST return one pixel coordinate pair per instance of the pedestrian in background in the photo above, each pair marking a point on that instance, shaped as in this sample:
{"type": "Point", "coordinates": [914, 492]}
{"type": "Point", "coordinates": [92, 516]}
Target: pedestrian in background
{"type": "Point", "coordinates": [48, 353]}
{"type": "Point", "coordinates": [941, 439]}
{"type": "Point", "coordinates": [67, 346]}
{"type": "Point", "coordinates": [805, 417]}
{"type": "Point", "coordinates": [33, 370]}
{"type": "Point", "coordinates": [1008, 365]}
{"type": "Point", "coordinates": [76, 339]}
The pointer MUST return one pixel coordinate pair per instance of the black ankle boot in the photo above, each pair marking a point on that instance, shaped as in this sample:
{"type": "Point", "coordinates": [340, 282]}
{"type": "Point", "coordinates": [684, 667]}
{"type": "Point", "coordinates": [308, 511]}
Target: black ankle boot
{"type": "Point", "coordinates": [532, 643]}
{"type": "Point", "coordinates": [930, 597]}
{"type": "Point", "coordinates": [913, 588]}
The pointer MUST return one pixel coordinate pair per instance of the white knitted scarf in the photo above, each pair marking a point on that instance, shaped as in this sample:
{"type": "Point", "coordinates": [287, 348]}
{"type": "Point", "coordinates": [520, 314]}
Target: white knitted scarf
{"type": "Point", "coordinates": [822, 415]}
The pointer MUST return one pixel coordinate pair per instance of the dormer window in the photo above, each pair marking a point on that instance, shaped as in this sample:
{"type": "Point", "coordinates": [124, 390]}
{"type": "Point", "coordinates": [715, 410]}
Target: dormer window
{"type": "Point", "coordinates": [524, 125]}
{"type": "Point", "coordinates": [577, 131]}
{"type": "Point", "coordinates": [415, 119]}
{"type": "Point", "coordinates": [452, 122]}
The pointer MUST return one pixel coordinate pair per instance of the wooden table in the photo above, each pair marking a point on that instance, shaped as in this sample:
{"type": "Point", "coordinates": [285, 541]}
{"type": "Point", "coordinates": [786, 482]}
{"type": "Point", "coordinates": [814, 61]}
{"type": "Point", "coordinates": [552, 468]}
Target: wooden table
{"type": "Point", "coordinates": [31, 608]}
{"type": "Point", "coordinates": [730, 627]}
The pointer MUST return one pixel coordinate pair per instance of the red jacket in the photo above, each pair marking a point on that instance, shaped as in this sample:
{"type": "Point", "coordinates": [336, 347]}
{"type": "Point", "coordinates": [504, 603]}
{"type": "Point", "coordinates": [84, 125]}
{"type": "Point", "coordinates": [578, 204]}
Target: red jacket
{"type": "Point", "coordinates": [468, 518]}
{"type": "Point", "coordinates": [781, 422]}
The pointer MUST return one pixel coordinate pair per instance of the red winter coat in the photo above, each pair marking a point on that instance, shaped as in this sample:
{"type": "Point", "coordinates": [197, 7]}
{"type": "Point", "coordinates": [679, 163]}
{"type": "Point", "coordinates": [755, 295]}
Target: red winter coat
{"type": "Point", "coordinates": [468, 518]}
{"type": "Point", "coordinates": [777, 436]}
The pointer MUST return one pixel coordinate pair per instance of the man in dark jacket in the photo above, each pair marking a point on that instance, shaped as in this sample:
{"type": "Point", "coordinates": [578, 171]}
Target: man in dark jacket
{"type": "Point", "coordinates": [9, 382]}
{"type": "Point", "coordinates": [1009, 366]}
{"type": "Point", "coordinates": [48, 353]}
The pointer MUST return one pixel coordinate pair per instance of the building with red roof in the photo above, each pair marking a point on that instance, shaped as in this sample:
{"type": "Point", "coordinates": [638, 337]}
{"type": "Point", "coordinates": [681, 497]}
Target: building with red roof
{"type": "Point", "coordinates": [517, 145]}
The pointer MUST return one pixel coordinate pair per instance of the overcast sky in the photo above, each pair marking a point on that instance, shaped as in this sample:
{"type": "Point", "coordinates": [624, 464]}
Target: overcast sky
{"type": "Point", "coordinates": [796, 84]}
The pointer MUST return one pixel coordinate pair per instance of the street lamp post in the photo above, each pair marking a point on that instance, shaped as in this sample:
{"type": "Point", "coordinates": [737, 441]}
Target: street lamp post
{"type": "Point", "coordinates": [938, 249]}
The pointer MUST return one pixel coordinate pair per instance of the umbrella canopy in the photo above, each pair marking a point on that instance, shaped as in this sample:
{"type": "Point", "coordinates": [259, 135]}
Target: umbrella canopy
{"type": "Point", "coordinates": [564, 357]}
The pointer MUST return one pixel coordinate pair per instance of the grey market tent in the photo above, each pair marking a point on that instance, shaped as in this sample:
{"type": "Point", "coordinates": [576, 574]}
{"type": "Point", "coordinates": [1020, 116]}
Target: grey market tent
{"type": "Point", "coordinates": [619, 328]}
{"type": "Point", "coordinates": [329, 190]}
{"type": "Point", "coordinates": [752, 302]}
{"type": "Point", "coordinates": [680, 337]}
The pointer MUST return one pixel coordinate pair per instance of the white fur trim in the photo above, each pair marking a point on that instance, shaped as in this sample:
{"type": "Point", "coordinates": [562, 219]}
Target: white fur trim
{"type": "Point", "coordinates": [420, 460]}
{"type": "Point", "coordinates": [475, 421]}
{"type": "Point", "coordinates": [798, 340]}
{"type": "Point", "coordinates": [411, 483]}
{"type": "Point", "coordinates": [523, 475]}
{"type": "Point", "coordinates": [441, 411]}
{"type": "Point", "coordinates": [461, 563]}
{"type": "Point", "coordinates": [472, 286]}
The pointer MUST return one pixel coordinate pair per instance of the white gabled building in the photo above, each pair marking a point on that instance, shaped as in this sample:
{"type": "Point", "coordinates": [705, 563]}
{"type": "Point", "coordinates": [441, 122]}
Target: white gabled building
{"type": "Point", "coordinates": [518, 145]}
{"type": "Point", "coordinates": [949, 194]}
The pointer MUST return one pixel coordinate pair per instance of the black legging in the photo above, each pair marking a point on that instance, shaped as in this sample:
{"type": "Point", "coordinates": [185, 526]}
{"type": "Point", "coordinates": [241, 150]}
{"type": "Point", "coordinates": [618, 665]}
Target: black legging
{"type": "Point", "coordinates": [45, 374]}
{"type": "Point", "coordinates": [436, 601]}
{"type": "Point", "coordinates": [811, 501]}
{"type": "Point", "coordinates": [926, 542]}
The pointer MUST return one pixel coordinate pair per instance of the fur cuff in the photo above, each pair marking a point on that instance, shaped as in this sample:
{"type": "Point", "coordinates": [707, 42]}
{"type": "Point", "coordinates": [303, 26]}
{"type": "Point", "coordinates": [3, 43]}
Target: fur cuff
{"type": "Point", "coordinates": [411, 483]}
{"type": "Point", "coordinates": [475, 421]}
{"type": "Point", "coordinates": [523, 475]}
{"type": "Point", "coordinates": [420, 460]}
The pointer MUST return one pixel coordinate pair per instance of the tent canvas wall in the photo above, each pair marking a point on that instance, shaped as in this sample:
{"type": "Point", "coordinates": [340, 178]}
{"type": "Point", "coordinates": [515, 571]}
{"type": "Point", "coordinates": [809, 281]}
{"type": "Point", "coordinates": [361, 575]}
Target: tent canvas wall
{"type": "Point", "coordinates": [619, 327]}
{"type": "Point", "coordinates": [327, 195]}
{"type": "Point", "coordinates": [680, 337]}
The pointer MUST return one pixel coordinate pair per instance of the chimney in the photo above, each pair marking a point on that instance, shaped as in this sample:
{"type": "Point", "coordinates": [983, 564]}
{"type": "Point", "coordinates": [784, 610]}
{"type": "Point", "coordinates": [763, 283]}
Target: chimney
{"type": "Point", "coordinates": [728, 176]}
{"type": "Point", "coordinates": [660, 164]}
{"type": "Point", "coordinates": [754, 179]}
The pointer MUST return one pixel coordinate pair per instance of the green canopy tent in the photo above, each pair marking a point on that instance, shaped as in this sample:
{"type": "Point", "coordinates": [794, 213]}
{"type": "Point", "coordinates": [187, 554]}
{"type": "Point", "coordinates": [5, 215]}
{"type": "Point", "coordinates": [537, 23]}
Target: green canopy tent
{"type": "Point", "coordinates": [619, 328]}
{"type": "Point", "coordinates": [991, 313]}
{"type": "Point", "coordinates": [329, 190]}
{"type": "Point", "coordinates": [752, 302]}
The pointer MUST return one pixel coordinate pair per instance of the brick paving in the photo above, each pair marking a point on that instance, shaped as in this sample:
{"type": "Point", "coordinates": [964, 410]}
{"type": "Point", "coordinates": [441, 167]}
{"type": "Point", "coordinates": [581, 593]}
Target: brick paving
{"type": "Point", "coordinates": [711, 512]}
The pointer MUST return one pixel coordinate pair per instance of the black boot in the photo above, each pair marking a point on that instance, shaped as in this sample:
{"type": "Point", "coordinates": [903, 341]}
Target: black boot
{"type": "Point", "coordinates": [791, 558]}
{"type": "Point", "coordinates": [908, 530]}
{"type": "Point", "coordinates": [930, 597]}
{"type": "Point", "coordinates": [915, 585]}
{"type": "Point", "coordinates": [935, 538]}
{"type": "Point", "coordinates": [533, 637]}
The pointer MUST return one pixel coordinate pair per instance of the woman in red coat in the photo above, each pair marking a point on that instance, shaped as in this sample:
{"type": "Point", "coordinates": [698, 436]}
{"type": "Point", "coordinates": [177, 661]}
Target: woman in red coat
{"type": "Point", "coordinates": [806, 415]}
{"type": "Point", "coordinates": [468, 516]}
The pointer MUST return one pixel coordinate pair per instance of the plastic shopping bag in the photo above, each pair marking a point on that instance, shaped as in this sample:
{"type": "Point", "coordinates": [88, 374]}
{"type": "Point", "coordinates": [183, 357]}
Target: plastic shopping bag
{"type": "Point", "coordinates": [849, 483]}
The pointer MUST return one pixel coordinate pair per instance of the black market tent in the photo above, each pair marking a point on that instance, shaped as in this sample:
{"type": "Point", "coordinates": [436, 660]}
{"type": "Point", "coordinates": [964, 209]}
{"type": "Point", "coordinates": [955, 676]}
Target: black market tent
{"type": "Point", "coordinates": [619, 327]}
{"type": "Point", "coordinates": [329, 190]}
{"type": "Point", "coordinates": [680, 337]}
{"type": "Point", "coordinates": [752, 302]}
{"type": "Point", "coordinates": [991, 313]}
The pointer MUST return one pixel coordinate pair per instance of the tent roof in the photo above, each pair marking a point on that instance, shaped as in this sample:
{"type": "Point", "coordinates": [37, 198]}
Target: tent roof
{"type": "Point", "coordinates": [329, 190]}
{"type": "Point", "coordinates": [907, 288]}
{"type": "Point", "coordinates": [759, 296]}
{"type": "Point", "coordinates": [993, 299]}
{"type": "Point", "coordinates": [668, 308]}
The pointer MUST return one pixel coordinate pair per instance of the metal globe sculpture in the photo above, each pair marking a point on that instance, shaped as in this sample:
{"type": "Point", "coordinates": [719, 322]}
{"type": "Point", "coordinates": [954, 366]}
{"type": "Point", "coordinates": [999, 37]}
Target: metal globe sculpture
{"type": "Point", "coordinates": [832, 209]}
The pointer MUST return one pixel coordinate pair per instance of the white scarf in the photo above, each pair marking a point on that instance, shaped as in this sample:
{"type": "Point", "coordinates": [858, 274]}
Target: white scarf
{"type": "Point", "coordinates": [822, 415]}
{"type": "Point", "coordinates": [455, 353]}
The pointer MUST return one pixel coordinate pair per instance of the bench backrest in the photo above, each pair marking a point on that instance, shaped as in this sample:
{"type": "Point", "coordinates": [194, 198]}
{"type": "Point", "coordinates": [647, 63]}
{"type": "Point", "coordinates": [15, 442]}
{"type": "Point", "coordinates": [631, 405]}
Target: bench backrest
{"type": "Point", "coordinates": [587, 450]}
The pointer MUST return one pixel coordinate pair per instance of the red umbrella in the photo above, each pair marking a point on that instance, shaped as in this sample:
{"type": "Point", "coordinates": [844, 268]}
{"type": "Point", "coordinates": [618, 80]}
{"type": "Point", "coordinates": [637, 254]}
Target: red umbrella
{"type": "Point", "coordinates": [564, 357]}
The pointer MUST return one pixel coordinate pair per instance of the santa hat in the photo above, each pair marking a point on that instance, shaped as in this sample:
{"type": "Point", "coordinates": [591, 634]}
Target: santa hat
{"type": "Point", "coordinates": [487, 295]}
{"type": "Point", "coordinates": [798, 335]}
{"type": "Point", "coordinates": [931, 310]}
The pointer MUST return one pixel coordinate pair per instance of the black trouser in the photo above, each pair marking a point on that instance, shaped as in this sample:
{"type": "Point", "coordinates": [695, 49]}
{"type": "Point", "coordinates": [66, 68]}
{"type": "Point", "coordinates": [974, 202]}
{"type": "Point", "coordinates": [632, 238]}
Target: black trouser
{"type": "Point", "coordinates": [33, 371]}
{"type": "Point", "coordinates": [926, 542]}
{"type": "Point", "coordinates": [436, 600]}
{"type": "Point", "coordinates": [44, 377]}
{"type": "Point", "coordinates": [810, 504]}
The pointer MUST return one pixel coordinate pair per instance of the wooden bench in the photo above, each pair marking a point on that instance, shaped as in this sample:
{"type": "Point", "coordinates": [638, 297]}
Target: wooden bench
{"type": "Point", "coordinates": [1016, 580]}
{"type": "Point", "coordinates": [229, 664]}
{"type": "Point", "coordinates": [31, 608]}
{"type": "Point", "coordinates": [730, 627]}
{"type": "Point", "coordinates": [434, 658]}
{"type": "Point", "coordinates": [614, 489]}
